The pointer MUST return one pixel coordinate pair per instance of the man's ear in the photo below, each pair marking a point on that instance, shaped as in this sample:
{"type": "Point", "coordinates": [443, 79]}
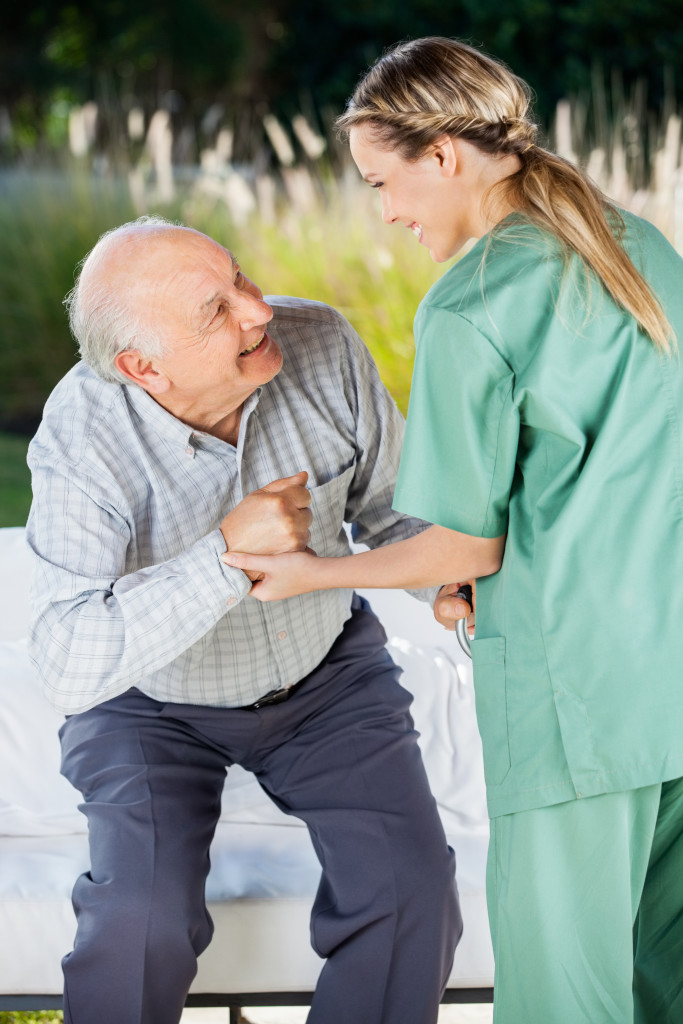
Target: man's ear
{"type": "Point", "coordinates": [140, 370]}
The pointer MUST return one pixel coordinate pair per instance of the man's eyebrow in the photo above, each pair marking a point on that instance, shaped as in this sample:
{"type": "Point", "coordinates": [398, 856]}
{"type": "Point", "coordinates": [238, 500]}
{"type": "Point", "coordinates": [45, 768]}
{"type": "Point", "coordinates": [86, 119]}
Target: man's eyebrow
{"type": "Point", "coordinates": [206, 305]}
{"type": "Point", "coordinates": [203, 306]}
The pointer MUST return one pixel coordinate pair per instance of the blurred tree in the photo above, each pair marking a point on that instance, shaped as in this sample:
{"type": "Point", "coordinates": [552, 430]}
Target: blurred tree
{"type": "Point", "coordinates": [553, 44]}
{"type": "Point", "coordinates": [280, 53]}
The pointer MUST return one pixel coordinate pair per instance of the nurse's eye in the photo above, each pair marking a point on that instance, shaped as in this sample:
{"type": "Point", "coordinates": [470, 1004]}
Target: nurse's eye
{"type": "Point", "coordinates": [377, 184]}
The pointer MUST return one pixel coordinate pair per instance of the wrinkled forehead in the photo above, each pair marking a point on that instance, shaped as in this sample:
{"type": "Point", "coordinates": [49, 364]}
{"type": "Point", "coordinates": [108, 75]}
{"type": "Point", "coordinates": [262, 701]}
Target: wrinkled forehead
{"type": "Point", "coordinates": [144, 250]}
{"type": "Point", "coordinates": [164, 270]}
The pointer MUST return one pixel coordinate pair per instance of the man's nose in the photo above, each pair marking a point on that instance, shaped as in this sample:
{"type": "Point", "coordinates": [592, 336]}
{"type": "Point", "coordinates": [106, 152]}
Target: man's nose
{"type": "Point", "coordinates": [254, 312]}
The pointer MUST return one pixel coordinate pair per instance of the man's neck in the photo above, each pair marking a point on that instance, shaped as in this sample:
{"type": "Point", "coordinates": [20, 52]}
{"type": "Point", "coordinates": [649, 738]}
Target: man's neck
{"type": "Point", "coordinates": [226, 426]}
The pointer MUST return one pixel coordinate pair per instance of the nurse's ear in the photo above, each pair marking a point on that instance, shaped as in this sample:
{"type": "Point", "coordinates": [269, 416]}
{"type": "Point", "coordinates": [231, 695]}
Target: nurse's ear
{"type": "Point", "coordinates": [446, 152]}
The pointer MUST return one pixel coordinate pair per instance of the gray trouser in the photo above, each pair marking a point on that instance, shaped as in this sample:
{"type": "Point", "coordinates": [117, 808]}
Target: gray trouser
{"type": "Point", "coordinates": [342, 755]}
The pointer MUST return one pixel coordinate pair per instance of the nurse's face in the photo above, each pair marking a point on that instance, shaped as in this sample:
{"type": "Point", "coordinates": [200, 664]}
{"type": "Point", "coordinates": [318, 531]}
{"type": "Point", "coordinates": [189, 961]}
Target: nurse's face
{"type": "Point", "coordinates": [425, 195]}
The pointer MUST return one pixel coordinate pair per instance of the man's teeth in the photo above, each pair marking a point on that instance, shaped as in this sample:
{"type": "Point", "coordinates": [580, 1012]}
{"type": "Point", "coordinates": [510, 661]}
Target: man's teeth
{"type": "Point", "coordinates": [246, 351]}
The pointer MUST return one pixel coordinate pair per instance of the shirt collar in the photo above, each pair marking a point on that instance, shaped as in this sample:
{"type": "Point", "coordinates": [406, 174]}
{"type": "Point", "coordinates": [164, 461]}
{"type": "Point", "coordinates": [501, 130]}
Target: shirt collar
{"type": "Point", "coordinates": [169, 426]}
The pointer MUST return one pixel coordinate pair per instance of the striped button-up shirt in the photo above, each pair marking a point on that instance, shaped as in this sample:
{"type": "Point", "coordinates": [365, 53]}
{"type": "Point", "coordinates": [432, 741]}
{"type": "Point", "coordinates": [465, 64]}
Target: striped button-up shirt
{"type": "Point", "coordinates": [129, 589]}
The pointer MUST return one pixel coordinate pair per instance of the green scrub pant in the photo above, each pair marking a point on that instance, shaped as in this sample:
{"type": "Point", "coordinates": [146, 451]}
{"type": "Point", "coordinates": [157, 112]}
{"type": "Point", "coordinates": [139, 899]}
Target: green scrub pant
{"type": "Point", "coordinates": [586, 909]}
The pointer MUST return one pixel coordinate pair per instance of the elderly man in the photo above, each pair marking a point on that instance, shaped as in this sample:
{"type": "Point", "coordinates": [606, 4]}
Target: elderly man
{"type": "Point", "coordinates": [192, 425]}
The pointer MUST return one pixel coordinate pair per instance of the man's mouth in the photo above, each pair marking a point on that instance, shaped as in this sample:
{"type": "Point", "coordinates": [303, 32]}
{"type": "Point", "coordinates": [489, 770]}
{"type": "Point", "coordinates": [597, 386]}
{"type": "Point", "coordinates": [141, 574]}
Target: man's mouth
{"type": "Point", "coordinates": [252, 348]}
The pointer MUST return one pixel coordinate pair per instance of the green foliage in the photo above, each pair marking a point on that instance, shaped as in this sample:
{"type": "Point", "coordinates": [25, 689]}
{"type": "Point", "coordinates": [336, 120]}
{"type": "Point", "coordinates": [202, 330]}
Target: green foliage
{"type": "Point", "coordinates": [48, 222]}
{"type": "Point", "coordinates": [338, 253]}
{"type": "Point", "coordinates": [15, 488]}
{"type": "Point", "coordinates": [334, 253]}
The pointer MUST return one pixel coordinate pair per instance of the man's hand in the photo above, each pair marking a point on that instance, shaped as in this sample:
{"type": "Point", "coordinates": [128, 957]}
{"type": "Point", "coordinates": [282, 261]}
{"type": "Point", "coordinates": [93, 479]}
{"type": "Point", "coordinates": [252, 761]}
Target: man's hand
{"type": "Point", "coordinates": [272, 520]}
{"type": "Point", "coordinates": [448, 609]}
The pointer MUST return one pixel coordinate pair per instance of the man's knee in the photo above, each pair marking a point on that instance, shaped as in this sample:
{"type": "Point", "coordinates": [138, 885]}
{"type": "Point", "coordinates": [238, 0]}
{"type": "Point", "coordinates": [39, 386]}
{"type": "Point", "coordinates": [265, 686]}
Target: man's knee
{"type": "Point", "coordinates": [129, 914]}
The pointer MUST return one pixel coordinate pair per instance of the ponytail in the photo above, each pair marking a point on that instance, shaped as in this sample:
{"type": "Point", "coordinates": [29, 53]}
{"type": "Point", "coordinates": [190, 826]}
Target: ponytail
{"type": "Point", "coordinates": [555, 195]}
{"type": "Point", "coordinates": [432, 87]}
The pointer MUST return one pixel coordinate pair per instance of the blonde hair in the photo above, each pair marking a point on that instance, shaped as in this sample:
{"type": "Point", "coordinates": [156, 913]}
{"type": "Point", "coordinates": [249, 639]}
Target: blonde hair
{"type": "Point", "coordinates": [435, 86]}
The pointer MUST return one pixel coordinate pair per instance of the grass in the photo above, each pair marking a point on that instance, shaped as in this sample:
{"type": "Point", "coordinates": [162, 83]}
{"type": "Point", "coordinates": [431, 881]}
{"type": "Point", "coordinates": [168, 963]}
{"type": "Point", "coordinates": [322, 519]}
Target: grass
{"type": "Point", "coordinates": [49, 1017]}
{"type": "Point", "coordinates": [15, 488]}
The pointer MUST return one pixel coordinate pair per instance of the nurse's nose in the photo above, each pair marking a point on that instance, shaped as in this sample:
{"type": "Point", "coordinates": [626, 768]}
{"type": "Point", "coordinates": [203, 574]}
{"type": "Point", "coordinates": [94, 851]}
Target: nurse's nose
{"type": "Point", "coordinates": [388, 215]}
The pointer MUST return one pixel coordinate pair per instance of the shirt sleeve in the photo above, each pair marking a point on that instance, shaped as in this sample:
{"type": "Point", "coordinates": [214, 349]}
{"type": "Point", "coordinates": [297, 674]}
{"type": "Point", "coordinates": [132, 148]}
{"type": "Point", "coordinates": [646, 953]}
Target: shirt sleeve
{"type": "Point", "coordinates": [98, 629]}
{"type": "Point", "coordinates": [460, 448]}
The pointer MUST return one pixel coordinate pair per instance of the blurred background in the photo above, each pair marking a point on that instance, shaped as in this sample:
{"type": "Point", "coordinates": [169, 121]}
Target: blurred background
{"type": "Point", "coordinates": [219, 114]}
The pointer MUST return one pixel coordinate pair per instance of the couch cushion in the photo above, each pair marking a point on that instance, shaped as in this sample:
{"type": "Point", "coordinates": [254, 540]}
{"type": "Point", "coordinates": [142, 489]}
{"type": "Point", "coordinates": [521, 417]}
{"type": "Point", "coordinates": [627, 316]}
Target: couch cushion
{"type": "Point", "coordinates": [35, 799]}
{"type": "Point", "coordinates": [15, 559]}
{"type": "Point", "coordinates": [260, 892]}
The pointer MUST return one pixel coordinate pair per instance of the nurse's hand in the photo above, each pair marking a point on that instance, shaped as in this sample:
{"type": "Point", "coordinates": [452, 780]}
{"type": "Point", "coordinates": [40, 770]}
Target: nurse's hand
{"type": "Point", "coordinates": [448, 609]}
{"type": "Point", "coordinates": [278, 576]}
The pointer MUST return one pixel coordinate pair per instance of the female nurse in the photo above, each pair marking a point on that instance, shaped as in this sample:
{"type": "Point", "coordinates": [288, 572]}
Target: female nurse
{"type": "Point", "coordinates": [545, 442]}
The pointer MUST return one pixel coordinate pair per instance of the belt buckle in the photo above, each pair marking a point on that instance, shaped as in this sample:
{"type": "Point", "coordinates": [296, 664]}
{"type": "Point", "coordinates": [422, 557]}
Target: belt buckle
{"type": "Point", "coordinates": [274, 697]}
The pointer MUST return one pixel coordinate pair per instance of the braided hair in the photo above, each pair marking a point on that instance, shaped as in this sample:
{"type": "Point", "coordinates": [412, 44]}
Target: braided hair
{"type": "Point", "coordinates": [426, 88]}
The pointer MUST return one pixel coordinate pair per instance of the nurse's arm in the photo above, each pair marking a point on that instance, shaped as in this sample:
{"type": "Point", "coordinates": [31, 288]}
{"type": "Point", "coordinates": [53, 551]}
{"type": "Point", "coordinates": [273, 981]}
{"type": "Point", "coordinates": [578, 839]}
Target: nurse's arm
{"type": "Point", "coordinates": [429, 559]}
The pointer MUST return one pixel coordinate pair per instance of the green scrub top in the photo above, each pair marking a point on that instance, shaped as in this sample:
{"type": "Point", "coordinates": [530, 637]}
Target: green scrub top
{"type": "Point", "coordinates": [540, 410]}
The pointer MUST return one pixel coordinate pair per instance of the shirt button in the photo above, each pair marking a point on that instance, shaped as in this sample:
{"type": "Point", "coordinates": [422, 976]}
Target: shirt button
{"type": "Point", "coordinates": [189, 451]}
{"type": "Point", "coordinates": [231, 601]}
{"type": "Point", "coordinates": [282, 634]}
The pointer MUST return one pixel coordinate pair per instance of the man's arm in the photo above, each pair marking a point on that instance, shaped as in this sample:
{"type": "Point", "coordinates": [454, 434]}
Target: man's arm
{"type": "Point", "coordinates": [100, 628]}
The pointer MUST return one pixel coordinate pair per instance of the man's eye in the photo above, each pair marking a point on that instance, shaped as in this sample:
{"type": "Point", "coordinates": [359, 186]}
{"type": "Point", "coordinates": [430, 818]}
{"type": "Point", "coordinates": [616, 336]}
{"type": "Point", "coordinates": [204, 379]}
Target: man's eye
{"type": "Point", "coordinates": [239, 279]}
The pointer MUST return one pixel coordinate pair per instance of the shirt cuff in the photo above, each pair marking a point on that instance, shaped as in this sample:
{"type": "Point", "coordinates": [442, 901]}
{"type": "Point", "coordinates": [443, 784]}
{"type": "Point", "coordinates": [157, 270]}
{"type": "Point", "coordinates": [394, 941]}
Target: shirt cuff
{"type": "Point", "coordinates": [221, 586]}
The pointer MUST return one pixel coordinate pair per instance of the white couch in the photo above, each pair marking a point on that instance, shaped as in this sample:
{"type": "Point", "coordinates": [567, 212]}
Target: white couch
{"type": "Point", "coordinates": [264, 873]}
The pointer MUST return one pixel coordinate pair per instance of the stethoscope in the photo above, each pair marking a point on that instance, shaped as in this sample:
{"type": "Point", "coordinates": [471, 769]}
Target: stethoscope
{"type": "Point", "coordinates": [465, 592]}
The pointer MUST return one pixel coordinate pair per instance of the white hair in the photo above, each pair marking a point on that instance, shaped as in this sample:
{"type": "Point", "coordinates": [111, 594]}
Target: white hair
{"type": "Point", "coordinates": [101, 319]}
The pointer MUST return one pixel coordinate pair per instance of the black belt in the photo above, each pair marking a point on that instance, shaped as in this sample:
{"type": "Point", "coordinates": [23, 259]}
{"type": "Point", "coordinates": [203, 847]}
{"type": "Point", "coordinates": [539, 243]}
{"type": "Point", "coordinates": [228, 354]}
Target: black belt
{"type": "Point", "coordinates": [272, 697]}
